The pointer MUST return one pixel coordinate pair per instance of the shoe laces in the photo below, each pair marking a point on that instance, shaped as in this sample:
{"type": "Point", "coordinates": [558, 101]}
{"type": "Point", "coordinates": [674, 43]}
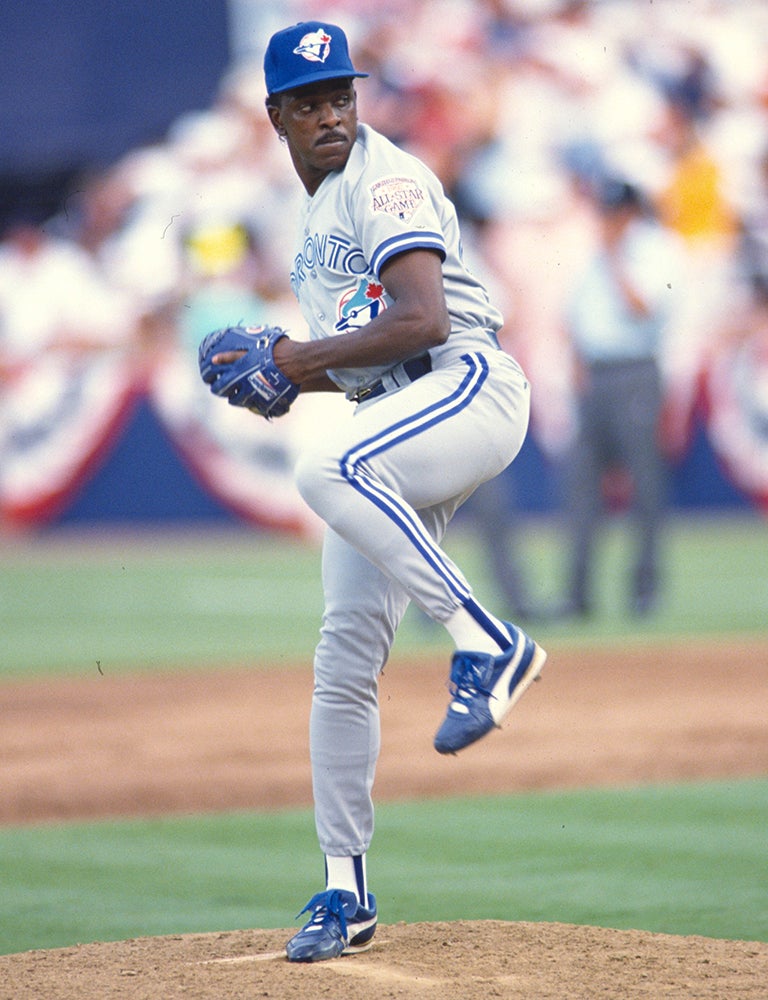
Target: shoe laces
{"type": "Point", "coordinates": [466, 678]}
{"type": "Point", "coordinates": [326, 907]}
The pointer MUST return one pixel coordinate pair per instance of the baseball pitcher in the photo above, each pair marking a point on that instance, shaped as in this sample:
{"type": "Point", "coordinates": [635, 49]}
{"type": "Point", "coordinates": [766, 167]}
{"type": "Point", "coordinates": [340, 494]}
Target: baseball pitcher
{"type": "Point", "coordinates": [401, 327]}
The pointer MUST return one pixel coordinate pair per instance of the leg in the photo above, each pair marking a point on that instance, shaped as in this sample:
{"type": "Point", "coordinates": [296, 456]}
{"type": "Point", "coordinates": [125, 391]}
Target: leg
{"type": "Point", "coordinates": [641, 406]}
{"type": "Point", "coordinates": [432, 443]}
{"type": "Point", "coordinates": [386, 483]}
{"type": "Point", "coordinates": [428, 447]}
{"type": "Point", "coordinates": [362, 611]}
{"type": "Point", "coordinates": [494, 514]}
{"type": "Point", "coordinates": [583, 507]}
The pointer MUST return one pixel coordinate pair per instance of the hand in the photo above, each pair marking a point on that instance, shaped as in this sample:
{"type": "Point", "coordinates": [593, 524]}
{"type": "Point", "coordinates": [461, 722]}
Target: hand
{"type": "Point", "coordinates": [228, 357]}
{"type": "Point", "coordinates": [238, 363]}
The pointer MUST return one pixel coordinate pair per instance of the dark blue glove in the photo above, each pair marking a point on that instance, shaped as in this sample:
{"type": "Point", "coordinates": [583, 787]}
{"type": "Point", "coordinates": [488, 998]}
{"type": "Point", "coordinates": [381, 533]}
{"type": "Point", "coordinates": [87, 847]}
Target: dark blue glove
{"type": "Point", "coordinates": [253, 381]}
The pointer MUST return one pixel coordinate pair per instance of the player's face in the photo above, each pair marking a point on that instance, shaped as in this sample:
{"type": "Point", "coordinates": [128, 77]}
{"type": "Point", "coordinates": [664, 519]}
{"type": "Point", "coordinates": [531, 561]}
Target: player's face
{"type": "Point", "coordinates": [319, 123]}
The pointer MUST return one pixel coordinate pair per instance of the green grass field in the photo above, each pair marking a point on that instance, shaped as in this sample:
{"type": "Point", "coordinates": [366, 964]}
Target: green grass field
{"type": "Point", "coordinates": [175, 600]}
{"type": "Point", "coordinates": [686, 859]}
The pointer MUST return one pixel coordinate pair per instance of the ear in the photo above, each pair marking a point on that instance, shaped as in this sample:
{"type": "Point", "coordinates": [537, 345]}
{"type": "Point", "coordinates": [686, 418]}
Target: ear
{"type": "Point", "coordinates": [276, 118]}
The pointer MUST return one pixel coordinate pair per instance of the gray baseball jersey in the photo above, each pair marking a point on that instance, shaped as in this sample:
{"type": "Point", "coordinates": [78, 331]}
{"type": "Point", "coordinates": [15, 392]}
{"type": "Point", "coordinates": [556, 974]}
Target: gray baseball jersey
{"type": "Point", "coordinates": [387, 481]}
{"type": "Point", "coordinates": [383, 203]}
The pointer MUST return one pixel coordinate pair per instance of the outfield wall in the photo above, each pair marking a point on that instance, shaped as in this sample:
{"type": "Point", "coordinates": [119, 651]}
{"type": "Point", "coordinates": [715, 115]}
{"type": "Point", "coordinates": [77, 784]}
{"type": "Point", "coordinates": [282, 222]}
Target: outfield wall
{"type": "Point", "coordinates": [144, 478]}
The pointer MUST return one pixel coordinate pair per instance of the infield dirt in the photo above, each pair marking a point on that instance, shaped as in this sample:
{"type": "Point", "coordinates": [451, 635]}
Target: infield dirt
{"type": "Point", "coordinates": [236, 738]}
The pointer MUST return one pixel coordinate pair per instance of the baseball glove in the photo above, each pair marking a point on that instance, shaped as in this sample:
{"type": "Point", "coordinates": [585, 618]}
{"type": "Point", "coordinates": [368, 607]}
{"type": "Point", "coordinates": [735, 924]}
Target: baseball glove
{"type": "Point", "coordinates": [252, 381]}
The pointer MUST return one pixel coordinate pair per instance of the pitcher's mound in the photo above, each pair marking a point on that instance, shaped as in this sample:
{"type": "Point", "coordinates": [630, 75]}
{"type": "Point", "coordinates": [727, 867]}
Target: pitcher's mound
{"type": "Point", "coordinates": [448, 961]}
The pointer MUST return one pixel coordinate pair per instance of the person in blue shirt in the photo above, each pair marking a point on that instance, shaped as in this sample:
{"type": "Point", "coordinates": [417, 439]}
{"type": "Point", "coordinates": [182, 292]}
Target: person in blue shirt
{"type": "Point", "coordinates": [617, 318]}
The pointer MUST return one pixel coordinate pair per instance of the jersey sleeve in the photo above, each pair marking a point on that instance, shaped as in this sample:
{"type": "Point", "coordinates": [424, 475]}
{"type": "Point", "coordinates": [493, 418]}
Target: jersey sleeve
{"type": "Point", "coordinates": [397, 207]}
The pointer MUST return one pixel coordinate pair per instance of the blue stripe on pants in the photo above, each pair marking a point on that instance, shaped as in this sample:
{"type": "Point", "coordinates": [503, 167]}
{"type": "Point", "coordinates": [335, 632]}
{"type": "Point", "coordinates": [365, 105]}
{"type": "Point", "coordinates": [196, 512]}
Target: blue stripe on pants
{"type": "Point", "coordinates": [353, 465]}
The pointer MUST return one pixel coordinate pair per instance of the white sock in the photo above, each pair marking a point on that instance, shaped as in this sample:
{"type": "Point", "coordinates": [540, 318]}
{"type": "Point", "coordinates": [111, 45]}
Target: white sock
{"type": "Point", "coordinates": [468, 634]}
{"type": "Point", "coordinates": [347, 873]}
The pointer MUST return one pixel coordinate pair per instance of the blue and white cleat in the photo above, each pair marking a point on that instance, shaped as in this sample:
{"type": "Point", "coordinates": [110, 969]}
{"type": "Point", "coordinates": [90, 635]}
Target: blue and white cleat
{"type": "Point", "coordinates": [339, 925]}
{"type": "Point", "coordinates": [484, 689]}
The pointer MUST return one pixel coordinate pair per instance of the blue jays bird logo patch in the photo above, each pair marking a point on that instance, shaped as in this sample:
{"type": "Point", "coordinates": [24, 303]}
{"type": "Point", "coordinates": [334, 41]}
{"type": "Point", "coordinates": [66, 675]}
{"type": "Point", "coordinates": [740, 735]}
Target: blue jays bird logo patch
{"type": "Point", "coordinates": [359, 305]}
{"type": "Point", "coordinates": [314, 46]}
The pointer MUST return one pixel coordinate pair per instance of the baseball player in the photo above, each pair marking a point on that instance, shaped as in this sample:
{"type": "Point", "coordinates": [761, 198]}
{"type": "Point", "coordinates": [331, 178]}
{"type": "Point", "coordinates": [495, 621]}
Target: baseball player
{"type": "Point", "coordinates": [399, 325]}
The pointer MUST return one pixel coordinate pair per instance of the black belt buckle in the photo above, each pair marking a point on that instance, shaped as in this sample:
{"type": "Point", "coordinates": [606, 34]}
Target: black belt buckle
{"type": "Point", "coordinates": [370, 390]}
{"type": "Point", "coordinates": [414, 368]}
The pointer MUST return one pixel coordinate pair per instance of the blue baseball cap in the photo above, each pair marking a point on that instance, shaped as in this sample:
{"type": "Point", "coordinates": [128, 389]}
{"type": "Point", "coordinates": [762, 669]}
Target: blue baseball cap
{"type": "Point", "coordinates": [305, 53]}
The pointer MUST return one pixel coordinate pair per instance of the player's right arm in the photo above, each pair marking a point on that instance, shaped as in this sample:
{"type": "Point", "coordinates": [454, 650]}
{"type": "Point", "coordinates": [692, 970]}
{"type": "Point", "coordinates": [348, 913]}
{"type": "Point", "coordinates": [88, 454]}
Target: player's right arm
{"type": "Point", "coordinates": [417, 320]}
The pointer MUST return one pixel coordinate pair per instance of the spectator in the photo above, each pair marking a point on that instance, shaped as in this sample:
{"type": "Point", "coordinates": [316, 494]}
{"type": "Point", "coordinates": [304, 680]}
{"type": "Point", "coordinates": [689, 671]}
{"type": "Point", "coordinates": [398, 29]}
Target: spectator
{"type": "Point", "coordinates": [53, 299]}
{"type": "Point", "coordinates": [693, 202]}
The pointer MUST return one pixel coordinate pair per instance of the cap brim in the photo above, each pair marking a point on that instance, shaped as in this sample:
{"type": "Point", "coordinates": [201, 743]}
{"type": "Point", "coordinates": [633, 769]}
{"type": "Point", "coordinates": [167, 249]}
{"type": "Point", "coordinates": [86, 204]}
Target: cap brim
{"type": "Point", "coordinates": [307, 78]}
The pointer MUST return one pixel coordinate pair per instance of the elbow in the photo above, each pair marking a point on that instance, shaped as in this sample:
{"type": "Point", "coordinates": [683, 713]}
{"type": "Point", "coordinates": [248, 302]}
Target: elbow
{"type": "Point", "coordinates": [443, 330]}
{"type": "Point", "coordinates": [422, 327]}
{"type": "Point", "coordinates": [437, 328]}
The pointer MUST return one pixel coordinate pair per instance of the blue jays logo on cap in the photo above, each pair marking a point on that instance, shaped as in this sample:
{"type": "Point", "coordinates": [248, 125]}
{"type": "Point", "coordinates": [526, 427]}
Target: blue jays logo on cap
{"type": "Point", "coordinates": [314, 46]}
{"type": "Point", "coordinates": [306, 53]}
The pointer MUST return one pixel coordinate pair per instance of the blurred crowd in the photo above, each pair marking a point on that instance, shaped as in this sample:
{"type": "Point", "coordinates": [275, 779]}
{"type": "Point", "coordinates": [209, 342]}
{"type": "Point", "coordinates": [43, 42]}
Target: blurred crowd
{"type": "Point", "coordinates": [522, 107]}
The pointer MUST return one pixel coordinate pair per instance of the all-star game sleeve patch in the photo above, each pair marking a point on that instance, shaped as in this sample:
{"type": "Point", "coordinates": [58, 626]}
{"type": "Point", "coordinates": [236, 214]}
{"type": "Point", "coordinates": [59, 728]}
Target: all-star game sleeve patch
{"type": "Point", "coordinates": [400, 197]}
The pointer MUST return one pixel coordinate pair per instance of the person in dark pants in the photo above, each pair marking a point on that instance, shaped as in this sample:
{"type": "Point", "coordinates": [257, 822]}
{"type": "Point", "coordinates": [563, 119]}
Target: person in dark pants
{"type": "Point", "coordinates": [616, 318]}
{"type": "Point", "coordinates": [495, 517]}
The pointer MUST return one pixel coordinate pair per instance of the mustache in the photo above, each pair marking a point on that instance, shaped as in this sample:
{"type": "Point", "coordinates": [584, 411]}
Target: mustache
{"type": "Point", "coordinates": [334, 136]}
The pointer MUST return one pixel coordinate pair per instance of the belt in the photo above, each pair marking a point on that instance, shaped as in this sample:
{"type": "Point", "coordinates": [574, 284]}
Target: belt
{"type": "Point", "coordinates": [402, 374]}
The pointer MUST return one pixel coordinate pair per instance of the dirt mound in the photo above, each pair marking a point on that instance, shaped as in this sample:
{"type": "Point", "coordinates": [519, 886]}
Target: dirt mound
{"type": "Point", "coordinates": [444, 961]}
